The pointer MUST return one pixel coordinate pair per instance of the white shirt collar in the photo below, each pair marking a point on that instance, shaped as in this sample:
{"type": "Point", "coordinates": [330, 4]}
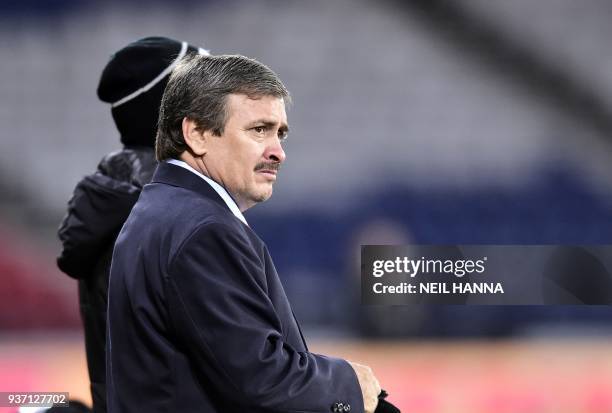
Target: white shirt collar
{"type": "Point", "coordinates": [218, 188]}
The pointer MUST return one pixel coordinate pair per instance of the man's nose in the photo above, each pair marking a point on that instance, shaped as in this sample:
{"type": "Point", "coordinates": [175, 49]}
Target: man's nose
{"type": "Point", "coordinates": [275, 152]}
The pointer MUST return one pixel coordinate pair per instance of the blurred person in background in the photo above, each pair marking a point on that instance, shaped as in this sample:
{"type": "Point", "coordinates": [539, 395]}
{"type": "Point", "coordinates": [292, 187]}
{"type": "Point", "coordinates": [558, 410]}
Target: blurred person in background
{"type": "Point", "coordinates": [198, 318]}
{"type": "Point", "coordinates": [133, 83]}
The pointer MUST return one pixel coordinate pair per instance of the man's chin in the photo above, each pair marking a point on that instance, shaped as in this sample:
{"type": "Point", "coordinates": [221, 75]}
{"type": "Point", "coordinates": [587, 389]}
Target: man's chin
{"type": "Point", "coordinates": [263, 195]}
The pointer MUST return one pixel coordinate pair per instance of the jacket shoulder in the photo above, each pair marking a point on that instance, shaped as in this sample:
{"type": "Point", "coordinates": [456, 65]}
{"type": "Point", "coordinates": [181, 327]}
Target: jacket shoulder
{"type": "Point", "coordinates": [173, 216]}
{"type": "Point", "coordinates": [134, 165]}
{"type": "Point", "coordinates": [97, 209]}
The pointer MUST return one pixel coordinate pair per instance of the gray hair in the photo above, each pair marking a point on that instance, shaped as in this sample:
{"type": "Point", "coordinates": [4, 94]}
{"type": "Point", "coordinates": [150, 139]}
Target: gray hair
{"type": "Point", "coordinates": [198, 90]}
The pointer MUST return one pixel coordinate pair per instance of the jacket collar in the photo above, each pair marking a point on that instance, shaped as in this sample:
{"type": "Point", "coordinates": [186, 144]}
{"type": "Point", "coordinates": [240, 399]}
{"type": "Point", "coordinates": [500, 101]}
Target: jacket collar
{"type": "Point", "coordinates": [227, 198]}
{"type": "Point", "coordinates": [170, 174]}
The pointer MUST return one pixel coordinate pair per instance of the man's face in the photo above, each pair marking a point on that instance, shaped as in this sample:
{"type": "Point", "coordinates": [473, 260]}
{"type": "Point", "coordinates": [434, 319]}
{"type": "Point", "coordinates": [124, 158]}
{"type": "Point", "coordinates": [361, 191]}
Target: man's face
{"type": "Point", "coordinates": [246, 158]}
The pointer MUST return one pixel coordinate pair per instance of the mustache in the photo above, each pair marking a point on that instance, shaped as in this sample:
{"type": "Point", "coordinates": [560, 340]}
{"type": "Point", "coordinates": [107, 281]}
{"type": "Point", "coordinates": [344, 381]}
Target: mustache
{"type": "Point", "coordinates": [272, 166]}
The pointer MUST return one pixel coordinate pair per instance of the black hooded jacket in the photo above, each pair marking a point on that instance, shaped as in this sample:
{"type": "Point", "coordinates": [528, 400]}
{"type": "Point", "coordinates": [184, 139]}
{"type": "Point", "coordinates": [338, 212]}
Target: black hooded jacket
{"type": "Point", "coordinates": [100, 204]}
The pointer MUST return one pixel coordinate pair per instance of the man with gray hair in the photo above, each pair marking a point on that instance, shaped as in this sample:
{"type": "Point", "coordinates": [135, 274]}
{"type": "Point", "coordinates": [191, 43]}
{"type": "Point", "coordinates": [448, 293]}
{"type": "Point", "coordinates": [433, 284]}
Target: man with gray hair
{"type": "Point", "coordinates": [198, 319]}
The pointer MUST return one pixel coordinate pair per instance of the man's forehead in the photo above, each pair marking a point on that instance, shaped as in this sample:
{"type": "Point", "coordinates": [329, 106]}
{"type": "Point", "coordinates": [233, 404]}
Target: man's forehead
{"type": "Point", "coordinates": [268, 107]}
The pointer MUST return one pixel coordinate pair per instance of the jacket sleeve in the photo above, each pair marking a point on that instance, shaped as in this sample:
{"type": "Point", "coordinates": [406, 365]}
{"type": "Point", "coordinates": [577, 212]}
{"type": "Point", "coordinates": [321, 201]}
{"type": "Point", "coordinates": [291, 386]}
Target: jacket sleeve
{"type": "Point", "coordinates": [98, 208]}
{"type": "Point", "coordinates": [222, 315]}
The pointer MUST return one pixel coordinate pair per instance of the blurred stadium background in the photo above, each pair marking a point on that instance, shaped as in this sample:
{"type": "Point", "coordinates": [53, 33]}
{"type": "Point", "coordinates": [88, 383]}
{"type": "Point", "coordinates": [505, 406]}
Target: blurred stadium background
{"type": "Point", "coordinates": [433, 121]}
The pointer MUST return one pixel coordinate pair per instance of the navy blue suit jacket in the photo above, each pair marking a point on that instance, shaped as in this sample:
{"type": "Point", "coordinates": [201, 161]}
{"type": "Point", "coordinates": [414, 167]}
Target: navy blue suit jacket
{"type": "Point", "coordinates": [198, 320]}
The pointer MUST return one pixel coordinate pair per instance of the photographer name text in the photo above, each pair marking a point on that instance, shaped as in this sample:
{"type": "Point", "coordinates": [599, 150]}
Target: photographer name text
{"type": "Point", "coordinates": [458, 268]}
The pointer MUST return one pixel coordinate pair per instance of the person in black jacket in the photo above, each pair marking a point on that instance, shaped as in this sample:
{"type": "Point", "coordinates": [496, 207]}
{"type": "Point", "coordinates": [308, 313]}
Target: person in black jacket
{"type": "Point", "coordinates": [133, 83]}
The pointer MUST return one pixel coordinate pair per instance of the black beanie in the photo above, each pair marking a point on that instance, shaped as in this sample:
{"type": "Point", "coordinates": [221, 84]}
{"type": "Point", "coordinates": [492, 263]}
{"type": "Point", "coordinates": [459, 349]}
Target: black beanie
{"type": "Point", "coordinates": [133, 82]}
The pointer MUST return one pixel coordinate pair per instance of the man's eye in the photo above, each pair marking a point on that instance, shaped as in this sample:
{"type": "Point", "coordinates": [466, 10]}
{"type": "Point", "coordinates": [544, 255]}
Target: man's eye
{"type": "Point", "coordinates": [259, 129]}
{"type": "Point", "coordinates": [282, 136]}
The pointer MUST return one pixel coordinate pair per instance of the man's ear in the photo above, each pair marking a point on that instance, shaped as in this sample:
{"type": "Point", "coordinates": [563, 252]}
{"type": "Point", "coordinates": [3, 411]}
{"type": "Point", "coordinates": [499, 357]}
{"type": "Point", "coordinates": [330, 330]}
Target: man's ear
{"type": "Point", "coordinates": [195, 138]}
